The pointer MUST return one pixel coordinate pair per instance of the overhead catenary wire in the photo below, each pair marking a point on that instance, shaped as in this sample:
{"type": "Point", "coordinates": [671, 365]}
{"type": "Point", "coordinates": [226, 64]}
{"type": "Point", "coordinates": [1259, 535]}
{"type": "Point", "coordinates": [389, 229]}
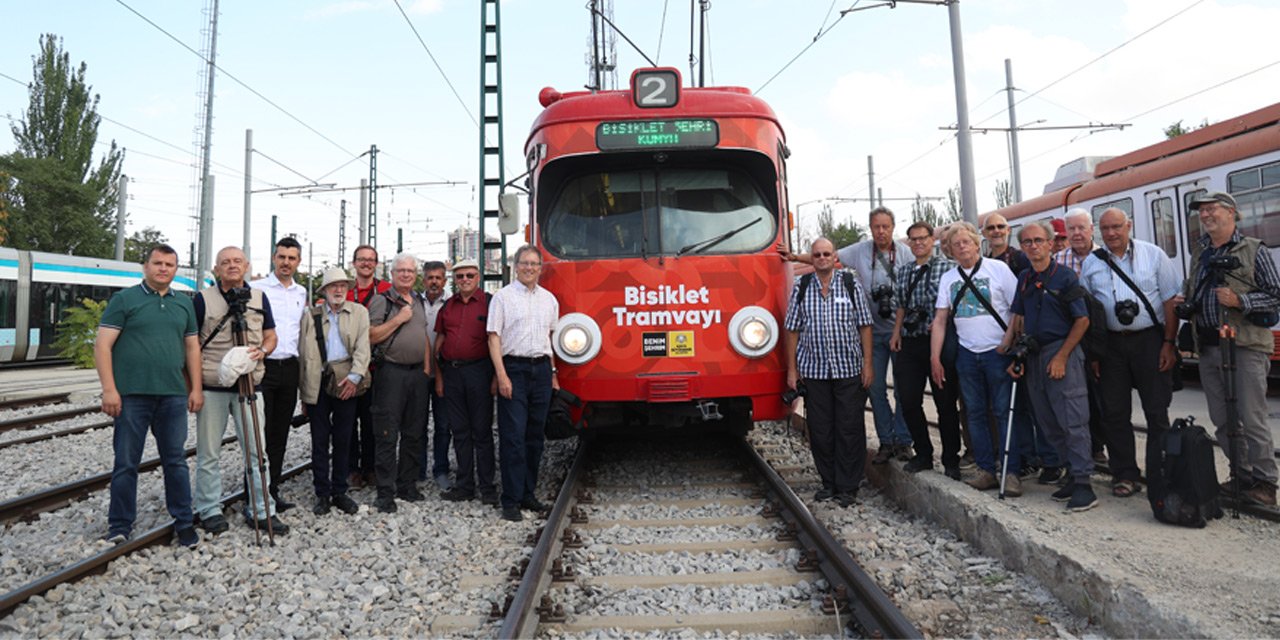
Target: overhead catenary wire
{"type": "Point", "coordinates": [821, 32]}
{"type": "Point", "coordinates": [662, 29]}
{"type": "Point", "coordinates": [444, 75]}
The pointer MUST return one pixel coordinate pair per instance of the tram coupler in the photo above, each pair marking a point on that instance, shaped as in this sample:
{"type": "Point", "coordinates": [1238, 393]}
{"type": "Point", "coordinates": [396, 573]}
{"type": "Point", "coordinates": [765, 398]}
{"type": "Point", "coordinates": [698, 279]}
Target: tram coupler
{"type": "Point", "coordinates": [808, 560]}
{"type": "Point", "coordinates": [710, 410]}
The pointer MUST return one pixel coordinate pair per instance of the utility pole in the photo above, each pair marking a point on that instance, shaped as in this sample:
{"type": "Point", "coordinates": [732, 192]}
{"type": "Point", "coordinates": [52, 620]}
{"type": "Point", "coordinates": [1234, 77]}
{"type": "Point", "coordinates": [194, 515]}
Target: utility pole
{"type": "Point", "coordinates": [248, 192]}
{"type": "Point", "coordinates": [206, 180]}
{"type": "Point", "coordinates": [399, 240]}
{"type": "Point", "coordinates": [871, 181]}
{"type": "Point", "coordinates": [968, 188]}
{"type": "Point", "coordinates": [122, 197]}
{"type": "Point", "coordinates": [373, 196]}
{"type": "Point", "coordinates": [273, 229]}
{"type": "Point", "coordinates": [342, 231]}
{"type": "Point", "coordinates": [1015, 165]}
{"type": "Point", "coordinates": [705, 5]}
{"type": "Point", "coordinates": [364, 211]}
{"type": "Point", "coordinates": [311, 268]}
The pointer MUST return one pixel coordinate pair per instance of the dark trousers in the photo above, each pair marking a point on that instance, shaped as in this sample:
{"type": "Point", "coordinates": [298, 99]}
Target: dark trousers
{"type": "Point", "coordinates": [1097, 433]}
{"type": "Point", "coordinates": [522, 422]}
{"type": "Point", "coordinates": [398, 413]}
{"type": "Point", "coordinates": [910, 371]}
{"type": "Point", "coordinates": [470, 406]}
{"type": "Point", "coordinates": [438, 447]}
{"type": "Point", "coordinates": [279, 398]}
{"type": "Point", "coordinates": [1133, 362]}
{"type": "Point", "coordinates": [166, 418]}
{"type": "Point", "coordinates": [333, 421]}
{"type": "Point", "coordinates": [835, 415]}
{"type": "Point", "coordinates": [362, 440]}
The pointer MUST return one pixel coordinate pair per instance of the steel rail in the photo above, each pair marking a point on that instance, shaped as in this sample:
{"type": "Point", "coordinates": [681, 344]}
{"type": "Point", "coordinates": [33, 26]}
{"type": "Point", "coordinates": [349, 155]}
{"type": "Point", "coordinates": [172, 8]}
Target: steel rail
{"type": "Point", "coordinates": [58, 434]}
{"type": "Point", "coordinates": [97, 564]}
{"type": "Point", "coordinates": [35, 401]}
{"type": "Point", "coordinates": [31, 505]}
{"type": "Point", "coordinates": [521, 620]}
{"type": "Point", "coordinates": [873, 612]}
{"type": "Point", "coordinates": [26, 422]}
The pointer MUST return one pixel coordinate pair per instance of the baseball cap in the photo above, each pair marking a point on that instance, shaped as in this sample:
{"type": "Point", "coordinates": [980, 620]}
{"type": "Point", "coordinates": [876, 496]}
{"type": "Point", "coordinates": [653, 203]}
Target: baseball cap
{"type": "Point", "coordinates": [1059, 228]}
{"type": "Point", "coordinates": [1210, 197]}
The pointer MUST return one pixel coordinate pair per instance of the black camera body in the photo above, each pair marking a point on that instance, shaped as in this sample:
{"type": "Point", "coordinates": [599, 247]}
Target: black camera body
{"type": "Point", "coordinates": [238, 298]}
{"type": "Point", "coordinates": [1218, 268]}
{"type": "Point", "coordinates": [789, 396]}
{"type": "Point", "coordinates": [1126, 311]}
{"type": "Point", "coordinates": [914, 319]}
{"type": "Point", "coordinates": [1024, 346]}
{"type": "Point", "coordinates": [883, 296]}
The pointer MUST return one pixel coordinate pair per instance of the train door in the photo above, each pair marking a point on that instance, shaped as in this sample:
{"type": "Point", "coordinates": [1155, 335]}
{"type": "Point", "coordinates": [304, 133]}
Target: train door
{"type": "Point", "coordinates": [1169, 230]}
{"type": "Point", "coordinates": [1190, 232]}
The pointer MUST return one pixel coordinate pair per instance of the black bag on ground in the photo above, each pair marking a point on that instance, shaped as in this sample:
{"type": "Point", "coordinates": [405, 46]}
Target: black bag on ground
{"type": "Point", "coordinates": [1182, 481]}
{"type": "Point", "coordinates": [560, 416]}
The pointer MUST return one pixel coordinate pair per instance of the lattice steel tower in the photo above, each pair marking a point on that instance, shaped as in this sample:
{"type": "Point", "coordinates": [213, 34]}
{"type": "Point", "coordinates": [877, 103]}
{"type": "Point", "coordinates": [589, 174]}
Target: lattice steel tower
{"type": "Point", "coordinates": [491, 158]}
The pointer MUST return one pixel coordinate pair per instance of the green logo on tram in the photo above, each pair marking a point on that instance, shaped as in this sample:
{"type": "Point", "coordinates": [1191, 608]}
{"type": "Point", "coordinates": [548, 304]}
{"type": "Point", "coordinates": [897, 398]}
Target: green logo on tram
{"type": "Point", "coordinates": [650, 134]}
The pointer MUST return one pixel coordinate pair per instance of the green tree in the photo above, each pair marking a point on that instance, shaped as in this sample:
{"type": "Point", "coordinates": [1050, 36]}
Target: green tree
{"type": "Point", "coordinates": [840, 235]}
{"type": "Point", "coordinates": [139, 241]}
{"type": "Point", "coordinates": [57, 200]}
{"type": "Point", "coordinates": [78, 330]}
{"type": "Point", "coordinates": [1176, 129]}
{"type": "Point", "coordinates": [923, 211]}
{"type": "Point", "coordinates": [955, 207]}
{"type": "Point", "coordinates": [1003, 193]}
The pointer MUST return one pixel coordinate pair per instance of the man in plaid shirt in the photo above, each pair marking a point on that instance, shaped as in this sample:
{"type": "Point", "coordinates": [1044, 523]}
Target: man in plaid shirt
{"type": "Point", "coordinates": [915, 290]}
{"type": "Point", "coordinates": [828, 342]}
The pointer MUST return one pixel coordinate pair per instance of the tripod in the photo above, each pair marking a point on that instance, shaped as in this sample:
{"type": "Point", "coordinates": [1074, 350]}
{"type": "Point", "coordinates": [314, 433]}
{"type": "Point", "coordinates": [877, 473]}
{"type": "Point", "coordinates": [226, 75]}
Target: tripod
{"type": "Point", "coordinates": [1235, 429]}
{"type": "Point", "coordinates": [252, 430]}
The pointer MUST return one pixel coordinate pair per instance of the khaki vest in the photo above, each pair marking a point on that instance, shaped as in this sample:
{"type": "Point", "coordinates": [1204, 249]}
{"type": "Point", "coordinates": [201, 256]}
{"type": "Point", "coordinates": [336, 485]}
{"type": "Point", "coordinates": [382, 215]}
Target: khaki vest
{"type": "Point", "coordinates": [1248, 335]}
{"type": "Point", "coordinates": [215, 307]}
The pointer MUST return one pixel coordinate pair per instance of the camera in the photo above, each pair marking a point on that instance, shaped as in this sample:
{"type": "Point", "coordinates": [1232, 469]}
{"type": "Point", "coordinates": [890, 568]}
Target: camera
{"type": "Point", "coordinates": [789, 396]}
{"type": "Point", "coordinates": [883, 295]}
{"type": "Point", "coordinates": [914, 320]}
{"type": "Point", "coordinates": [238, 298]}
{"type": "Point", "coordinates": [1185, 310]}
{"type": "Point", "coordinates": [1126, 311]}
{"type": "Point", "coordinates": [1222, 264]}
{"type": "Point", "coordinates": [1024, 346]}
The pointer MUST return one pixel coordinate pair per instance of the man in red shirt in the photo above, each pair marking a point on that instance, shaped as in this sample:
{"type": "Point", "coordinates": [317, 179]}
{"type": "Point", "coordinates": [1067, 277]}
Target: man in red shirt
{"type": "Point", "coordinates": [464, 378]}
{"type": "Point", "coordinates": [364, 262]}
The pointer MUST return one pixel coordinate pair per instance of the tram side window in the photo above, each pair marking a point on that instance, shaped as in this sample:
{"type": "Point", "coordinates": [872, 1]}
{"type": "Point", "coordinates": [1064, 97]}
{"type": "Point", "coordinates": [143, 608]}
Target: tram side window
{"type": "Point", "coordinates": [8, 303]}
{"type": "Point", "coordinates": [1162, 223]}
{"type": "Point", "coordinates": [1257, 194]}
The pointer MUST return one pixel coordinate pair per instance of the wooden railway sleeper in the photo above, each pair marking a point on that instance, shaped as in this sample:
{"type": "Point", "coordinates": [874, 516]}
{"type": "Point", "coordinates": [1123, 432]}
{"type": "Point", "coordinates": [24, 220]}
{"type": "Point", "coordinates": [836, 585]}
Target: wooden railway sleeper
{"type": "Point", "coordinates": [808, 560]}
{"type": "Point", "coordinates": [788, 533]}
{"type": "Point", "coordinates": [551, 611]}
{"type": "Point", "coordinates": [570, 538]}
{"type": "Point", "coordinates": [562, 571]}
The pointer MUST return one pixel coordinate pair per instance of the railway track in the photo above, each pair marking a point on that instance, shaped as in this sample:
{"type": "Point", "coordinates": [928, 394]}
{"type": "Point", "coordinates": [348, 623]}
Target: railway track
{"type": "Point", "coordinates": [98, 563]}
{"type": "Point", "coordinates": [560, 587]}
{"type": "Point", "coordinates": [50, 435]}
{"type": "Point", "coordinates": [34, 401]}
{"type": "Point", "coordinates": [26, 422]}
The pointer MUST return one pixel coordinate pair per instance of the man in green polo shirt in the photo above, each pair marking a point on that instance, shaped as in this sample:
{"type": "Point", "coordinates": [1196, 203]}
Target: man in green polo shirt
{"type": "Point", "coordinates": [148, 360]}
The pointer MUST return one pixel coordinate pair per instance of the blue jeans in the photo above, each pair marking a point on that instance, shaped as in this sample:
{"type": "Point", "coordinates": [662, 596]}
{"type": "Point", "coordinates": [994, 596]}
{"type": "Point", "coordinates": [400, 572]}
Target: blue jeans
{"type": "Point", "coordinates": [522, 422]}
{"type": "Point", "coordinates": [441, 436]}
{"type": "Point", "coordinates": [986, 385]}
{"type": "Point", "coordinates": [166, 417]}
{"type": "Point", "coordinates": [891, 428]}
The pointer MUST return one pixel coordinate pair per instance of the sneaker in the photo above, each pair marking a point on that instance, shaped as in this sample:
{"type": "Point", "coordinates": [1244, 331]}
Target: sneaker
{"type": "Point", "coordinates": [345, 504]}
{"type": "Point", "coordinates": [116, 537]}
{"type": "Point", "coordinates": [442, 481]}
{"type": "Point", "coordinates": [458, 494]}
{"type": "Point", "coordinates": [1063, 494]}
{"type": "Point", "coordinates": [532, 504]}
{"type": "Point", "coordinates": [1228, 488]}
{"type": "Point", "coordinates": [1028, 470]}
{"type": "Point", "coordinates": [188, 537]}
{"type": "Point", "coordinates": [903, 452]}
{"type": "Point", "coordinates": [1082, 498]}
{"type": "Point", "coordinates": [321, 507]}
{"type": "Point", "coordinates": [282, 505]}
{"type": "Point", "coordinates": [846, 499]}
{"type": "Point", "coordinates": [952, 472]}
{"type": "Point", "coordinates": [411, 495]}
{"type": "Point", "coordinates": [1100, 459]}
{"type": "Point", "coordinates": [967, 462]}
{"type": "Point", "coordinates": [824, 494]}
{"type": "Point", "coordinates": [277, 526]}
{"type": "Point", "coordinates": [983, 480]}
{"type": "Point", "coordinates": [1261, 494]}
{"type": "Point", "coordinates": [490, 499]}
{"type": "Point", "coordinates": [883, 455]}
{"type": "Point", "coordinates": [215, 524]}
{"type": "Point", "coordinates": [1013, 487]}
{"type": "Point", "coordinates": [512, 514]}
{"type": "Point", "coordinates": [916, 465]}
{"type": "Point", "coordinates": [385, 504]}
{"type": "Point", "coordinates": [1049, 475]}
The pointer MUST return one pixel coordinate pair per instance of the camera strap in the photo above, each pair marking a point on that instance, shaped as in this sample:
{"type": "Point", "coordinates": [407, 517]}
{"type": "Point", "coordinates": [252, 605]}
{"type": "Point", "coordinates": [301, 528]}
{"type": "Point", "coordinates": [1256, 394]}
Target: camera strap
{"type": "Point", "coordinates": [213, 334]}
{"type": "Point", "coordinates": [1102, 254]}
{"type": "Point", "coordinates": [986, 304]}
{"type": "Point", "coordinates": [915, 280]}
{"type": "Point", "coordinates": [317, 317]}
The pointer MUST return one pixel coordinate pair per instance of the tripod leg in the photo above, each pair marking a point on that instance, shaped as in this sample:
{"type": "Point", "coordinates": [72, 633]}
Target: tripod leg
{"type": "Point", "coordinates": [248, 468]}
{"type": "Point", "coordinates": [1008, 435]}
{"type": "Point", "coordinates": [1235, 430]}
{"type": "Point", "coordinates": [255, 429]}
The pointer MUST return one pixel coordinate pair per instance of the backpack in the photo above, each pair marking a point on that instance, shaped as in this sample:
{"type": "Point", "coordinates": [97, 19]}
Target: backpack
{"type": "Point", "coordinates": [1094, 341]}
{"type": "Point", "coordinates": [1182, 481]}
{"type": "Point", "coordinates": [808, 278]}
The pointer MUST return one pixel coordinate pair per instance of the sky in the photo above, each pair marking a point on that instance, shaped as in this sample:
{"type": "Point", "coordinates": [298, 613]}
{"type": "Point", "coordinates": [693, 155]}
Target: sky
{"type": "Point", "coordinates": [320, 81]}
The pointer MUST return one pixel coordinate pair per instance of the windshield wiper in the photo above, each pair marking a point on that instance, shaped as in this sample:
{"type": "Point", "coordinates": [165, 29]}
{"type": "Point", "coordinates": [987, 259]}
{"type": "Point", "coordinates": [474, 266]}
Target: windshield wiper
{"type": "Point", "coordinates": [703, 245]}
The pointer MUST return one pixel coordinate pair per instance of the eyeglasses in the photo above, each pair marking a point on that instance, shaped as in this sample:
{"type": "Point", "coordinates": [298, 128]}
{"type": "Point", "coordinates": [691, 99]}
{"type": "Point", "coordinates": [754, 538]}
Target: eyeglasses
{"type": "Point", "coordinates": [464, 276]}
{"type": "Point", "coordinates": [920, 239]}
{"type": "Point", "coordinates": [823, 254]}
{"type": "Point", "coordinates": [995, 227]}
{"type": "Point", "coordinates": [528, 265]}
{"type": "Point", "coordinates": [1034, 241]}
{"type": "Point", "coordinates": [1208, 208]}
{"type": "Point", "coordinates": [366, 260]}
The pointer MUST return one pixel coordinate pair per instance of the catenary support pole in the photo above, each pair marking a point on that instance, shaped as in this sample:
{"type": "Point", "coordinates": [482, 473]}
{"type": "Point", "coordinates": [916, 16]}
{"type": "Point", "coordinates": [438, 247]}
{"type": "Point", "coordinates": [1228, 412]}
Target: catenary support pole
{"type": "Point", "coordinates": [968, 190]}
{"type": "Point", "coordinates": [871, 181]}
{"type": "Point", "coordinates": [122, 196]}
{"type": "Point", "coordinates": [1015, 164]}
{"type": "Point", "coordinates": [248, 194]}
{"type": "Point", "coordinates": [364, 211]}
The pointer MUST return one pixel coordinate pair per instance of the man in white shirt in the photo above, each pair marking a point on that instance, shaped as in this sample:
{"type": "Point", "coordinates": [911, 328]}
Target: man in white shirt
{"type": "Point", "coordinates": [521, 319]}
{"type": "Point", "coordinates": [280, 383]}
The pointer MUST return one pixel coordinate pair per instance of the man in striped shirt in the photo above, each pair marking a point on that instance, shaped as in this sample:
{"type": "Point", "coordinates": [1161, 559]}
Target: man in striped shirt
{"type": "Point", "coordinates": [828, 342]}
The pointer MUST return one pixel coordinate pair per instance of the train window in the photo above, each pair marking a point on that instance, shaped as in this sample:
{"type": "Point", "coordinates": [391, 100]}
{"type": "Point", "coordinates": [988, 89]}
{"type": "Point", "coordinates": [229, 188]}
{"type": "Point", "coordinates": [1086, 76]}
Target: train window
{"type": "Point", "coordinates": [8, 303]}
{"type": "Point", "coordinates": [1257, 194]}
{"type": "Point", "coordinates": [1162, 222]}
{"type": "Point", "coordinates": [1124, 204]}
{"type": "Point", "coordinates": [1193, 219]}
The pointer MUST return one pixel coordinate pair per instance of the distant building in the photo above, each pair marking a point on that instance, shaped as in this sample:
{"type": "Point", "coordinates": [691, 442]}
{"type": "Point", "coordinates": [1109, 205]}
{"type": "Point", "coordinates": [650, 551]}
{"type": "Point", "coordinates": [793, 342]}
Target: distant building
{"type": "Point", "coordinates": [464, 244]}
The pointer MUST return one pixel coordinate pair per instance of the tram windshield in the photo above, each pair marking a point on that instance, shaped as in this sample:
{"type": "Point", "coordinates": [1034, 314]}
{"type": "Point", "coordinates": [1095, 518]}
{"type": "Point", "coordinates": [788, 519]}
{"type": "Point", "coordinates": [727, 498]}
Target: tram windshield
{"type": "Point", "coordinates": [676, 211]}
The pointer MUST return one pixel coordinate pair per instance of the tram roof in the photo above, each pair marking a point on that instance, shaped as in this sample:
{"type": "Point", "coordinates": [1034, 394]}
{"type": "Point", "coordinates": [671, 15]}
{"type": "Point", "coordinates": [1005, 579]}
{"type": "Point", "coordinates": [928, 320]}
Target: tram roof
{"type": "Point", "coordinates": [695, 102]}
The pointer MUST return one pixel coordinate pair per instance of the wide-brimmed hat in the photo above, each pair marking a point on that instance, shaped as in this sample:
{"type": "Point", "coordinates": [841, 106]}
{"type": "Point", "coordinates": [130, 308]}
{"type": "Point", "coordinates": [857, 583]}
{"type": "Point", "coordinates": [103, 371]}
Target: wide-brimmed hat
{"type": "Point", "coordinates": [335, 274]}
{"type": "Point", "coordinates": [467, 264]}
{"type": "Point", "coordinates": [235, 364]}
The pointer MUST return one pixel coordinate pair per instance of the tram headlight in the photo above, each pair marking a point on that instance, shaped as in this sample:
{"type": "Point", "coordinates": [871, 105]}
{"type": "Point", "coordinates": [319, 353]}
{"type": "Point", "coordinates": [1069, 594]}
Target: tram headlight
{"type": "Point", "coordinates": [753, 331]}
{"type": "Point", "coordinates": [577, 338]}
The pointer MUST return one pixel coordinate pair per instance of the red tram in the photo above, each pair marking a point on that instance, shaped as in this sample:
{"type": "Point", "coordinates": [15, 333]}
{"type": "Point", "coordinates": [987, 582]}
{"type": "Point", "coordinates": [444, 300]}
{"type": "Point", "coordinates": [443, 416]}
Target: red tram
{"type": "Point", "coordinates": [656, 211]}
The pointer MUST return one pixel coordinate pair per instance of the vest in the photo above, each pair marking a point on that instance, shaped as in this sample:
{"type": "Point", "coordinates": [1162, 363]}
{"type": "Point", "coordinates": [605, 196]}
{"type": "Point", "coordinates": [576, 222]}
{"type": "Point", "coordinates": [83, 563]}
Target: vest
{"type": "Point", "coordinates": [1248, 335]}
{"type": "Point", "coordinates": [215, 308]}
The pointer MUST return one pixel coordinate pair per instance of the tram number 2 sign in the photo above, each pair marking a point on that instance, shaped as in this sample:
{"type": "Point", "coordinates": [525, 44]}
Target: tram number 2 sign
{"type": "Point", "coordinates": [655, 88]}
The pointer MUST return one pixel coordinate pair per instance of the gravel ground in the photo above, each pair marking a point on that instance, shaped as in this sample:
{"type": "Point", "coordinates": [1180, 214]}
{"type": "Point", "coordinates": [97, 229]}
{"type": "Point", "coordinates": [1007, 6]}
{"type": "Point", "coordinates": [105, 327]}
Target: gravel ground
{"type": "Point", "coordinates": [601, 560]}
{"type": "Point", "coordinates": [27, 412]}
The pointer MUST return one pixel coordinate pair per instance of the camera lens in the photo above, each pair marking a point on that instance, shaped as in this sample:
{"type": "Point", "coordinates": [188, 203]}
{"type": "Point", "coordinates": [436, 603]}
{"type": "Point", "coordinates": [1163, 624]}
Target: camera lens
{"type": "Point", "coordinates": [1126, 311]}
{"type": "Point", "coordinates": [1185, 310]}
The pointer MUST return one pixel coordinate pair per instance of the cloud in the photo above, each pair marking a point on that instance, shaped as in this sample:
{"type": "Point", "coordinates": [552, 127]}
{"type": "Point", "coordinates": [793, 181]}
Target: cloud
{"type": "Point", "coordinates": [425, 7]}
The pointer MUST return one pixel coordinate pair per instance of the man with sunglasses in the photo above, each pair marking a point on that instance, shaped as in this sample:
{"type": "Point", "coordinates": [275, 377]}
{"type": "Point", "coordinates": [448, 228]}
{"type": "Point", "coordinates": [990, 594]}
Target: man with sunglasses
{"type": "Point", "coordinates": [464, 378]}
{"type": "Point", "coordinates": [915, 293]}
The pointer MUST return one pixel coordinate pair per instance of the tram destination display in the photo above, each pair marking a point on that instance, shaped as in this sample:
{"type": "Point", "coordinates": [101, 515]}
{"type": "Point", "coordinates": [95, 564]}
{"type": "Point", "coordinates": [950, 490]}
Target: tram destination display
{"type": "Point", "coordinates": [626, 135]}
